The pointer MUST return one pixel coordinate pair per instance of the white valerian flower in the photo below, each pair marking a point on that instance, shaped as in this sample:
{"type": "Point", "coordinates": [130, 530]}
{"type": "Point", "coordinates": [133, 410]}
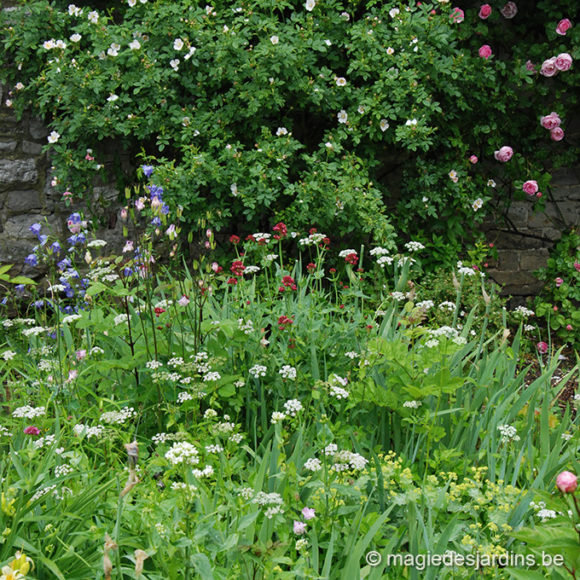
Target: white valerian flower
{"type": "Point", "coordinates": [384, 125]}
{"type": "Point", "coordinates": [342, 116]}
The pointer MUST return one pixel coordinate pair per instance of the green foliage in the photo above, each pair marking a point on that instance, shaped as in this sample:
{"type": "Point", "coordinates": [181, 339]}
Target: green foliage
{"type": "Point", "coordinates": [357, 117]}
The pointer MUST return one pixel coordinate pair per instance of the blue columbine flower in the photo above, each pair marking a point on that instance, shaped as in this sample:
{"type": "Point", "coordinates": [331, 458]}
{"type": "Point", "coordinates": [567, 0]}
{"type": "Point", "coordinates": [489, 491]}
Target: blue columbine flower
{"type": "Point", "coordinates": [156, 222]}
{"type": "Point", "coordinates": [31, 260]}
{"type": "Point", "coordinates": [147, 170]}
{"type": "Point", "coordinates": [155, 191]}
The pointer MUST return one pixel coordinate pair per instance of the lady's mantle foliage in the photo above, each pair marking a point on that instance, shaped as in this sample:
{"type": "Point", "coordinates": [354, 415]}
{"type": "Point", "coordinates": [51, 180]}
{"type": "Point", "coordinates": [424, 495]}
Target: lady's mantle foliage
{"type": "Point", "coordinates": [305, 111]}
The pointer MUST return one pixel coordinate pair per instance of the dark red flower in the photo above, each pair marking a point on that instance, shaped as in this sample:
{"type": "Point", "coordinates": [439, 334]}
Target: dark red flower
{"type": "Point", "coordinates": [237, 268]}
{"type": "Point", "coordinates": [234, 239]}
{"type": "Point", "coordinates": [351, 259]}
{"type": "Point", "coordinates": [31, 430]}
{"type": "Point", "coordinates": [281, 229]}
{"type": "Point", "coordinates": [232, 281]}
{"type": "Point", "coordinates": [159, 311]}
{"type": "Point", "coordinates": [311, 267]}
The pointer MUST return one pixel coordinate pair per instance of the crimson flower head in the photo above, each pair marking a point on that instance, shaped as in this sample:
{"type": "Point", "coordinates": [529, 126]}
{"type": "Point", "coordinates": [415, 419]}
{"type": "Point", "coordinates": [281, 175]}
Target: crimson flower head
{"type": "Point", "coordinates": [311, 267]}
{"type": "Point", "coordinates": [289, 282]}
{"type": "Point", "coordinates": [31, 430]}
{"type": "Point", "coordinates": [232, 281]}
{"type": "Point", "coordinates": [234, 239]}
{"type": "Point", "coordinates": [284, 322]}
{"type": "Point", "coordinates": [351, 259]}
{"type": "Point", "coordinates": [237, 268]}
{"type": "Point", "coordinates": [312, 231]}
{"type": "Point", "coordinates": [159, 311]}
{"type": "Point", "coordinates": [281, 229]}
{"type": "Point", "coordinates": [542, 347]}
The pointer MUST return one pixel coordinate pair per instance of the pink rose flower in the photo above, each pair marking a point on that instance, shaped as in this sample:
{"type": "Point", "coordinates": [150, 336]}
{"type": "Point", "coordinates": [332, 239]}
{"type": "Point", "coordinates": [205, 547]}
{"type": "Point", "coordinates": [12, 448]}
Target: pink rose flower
{"type": "Point", "coordinates": [563, 61]}
{"type": "Point", "coordinates": [559, 282]}
{"type": "Point", "coordinates": [457, 15]}
{"type": "Point", "coordinates": [484, 11]}
{"type": "Point", "coordinates": [577, 266]}
{"type": "Point", "coordinates": [473, 159]}
{"type": "Point", "coordinates": [563, 26]}
{"type": "Point", "coordinates": [31, 430]}
{"type": "Point", "coordinates": [530, 66]}
{"type": "Point", "coordinates": [504, 154]}
{"type": "Point", "coordinates": [566, 482]}
{"type": "Point", "coordinates": [485, 51]}
{"type": "Point", "coordinates": [549, 67]}
{"type": "Point", "coordinates": [568, 327]}
{"type": "Point", "coordinates": [550, 121]}
{"type": "Point", "coordinates": [530, 187]}
{"type": "Point", "coordinates": [509, 10]}
{"type": "Point", "coordinates": [542, 347]}
{"type": "Point", "coordinates": [557, 134]}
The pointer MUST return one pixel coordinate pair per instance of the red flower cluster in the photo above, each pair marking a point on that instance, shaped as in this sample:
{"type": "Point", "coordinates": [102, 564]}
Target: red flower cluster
{"type": "Point", "coordinates": [351, 259]}
{"type": "Point", "coordinates": [237, 268]}
{"type": "Point", "coordinates": [159, 311]}
{"type": "Point", "coordinates": [234, 239]}
{"type": "Point", "coordinates": [284, 322]}
{"type": "Point", "coordinates": [281, 230]}
{"type": "Point", "coordinates": [287, 282]}
{"type": "Point", "coordinates": [311, 267]}
{"type": "Point", "coordinates": [233, 281]}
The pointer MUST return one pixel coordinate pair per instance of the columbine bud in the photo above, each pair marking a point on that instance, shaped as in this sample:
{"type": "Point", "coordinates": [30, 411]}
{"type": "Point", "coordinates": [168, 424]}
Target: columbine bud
{"type": "Point", "coordinates": [140, 557]}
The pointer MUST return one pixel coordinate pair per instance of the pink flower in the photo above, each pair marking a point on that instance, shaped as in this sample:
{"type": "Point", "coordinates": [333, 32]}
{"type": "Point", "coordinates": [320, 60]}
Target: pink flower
{"type": "Point", "coordinates": [485, 51]}
{"type": "Point", "coordinates": [530, 66]}
{"type": "Point", "coordinates": [128, 247]}
{"type": "Point", "coordinates": [509, 10]}
{"type": "Point", "coordinates": [81, 354]}
{"type": "Point", "coordinates": [124, 214]}
{"type": "Point", "coordinates": [563, 26]}
{"type": "Point", "coordinates": [559, 282]}
{"type": "Point", "coordinates": [550, 121]}
{"type": "Point", "coordinates": [140, 203]}
{"type": "Point", "coordinates": [299, 528]}
{"type": "Point", "coordinates": [504, 154]}
{"type": "Point", "coordinates": [473, 159]}
{"type": "Point", "coordinates": [563, 61]}
{"type": "Point", "coordinates": [557, 134]}
{"type": "Point", "coordinates": [216, 267]}
{"type": "Point", "coordinates": [183, 301]}
{"type": "Point", "coordinates": [549, 67]}
{"type": "Point", "coordinates": [457, 15]}
{"type": "Point", "coordinates": [542, 347]}
{"type": "Point", "coordinates": [566, 482]}
{"type": "Point", "coordinates": [484, 11]}
{"type": "Point", "coordinates": [30, 430]}
{"type": "Point", "coordinates": [568, 327]}
{"type": "Point", "coordinates": [577, 266]}
{"type": "Point", "coordinates": [308, 513]}
{"type": "Point", "coordinates": [530, 187]}
{"type": "Point", "coordinates": [539, 194]}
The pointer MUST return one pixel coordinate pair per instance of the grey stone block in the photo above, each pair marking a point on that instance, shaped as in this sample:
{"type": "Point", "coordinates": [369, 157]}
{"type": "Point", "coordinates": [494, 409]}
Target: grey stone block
{"type": "Point", "coordinates": [31, 148]}
{"type": "Point", "coordinates": [8, 145]}
{"type": "Point", "coordinates": [37, 129]}
{"type": "Point", "coordinates": [531, 260]}
{"type": "Point", "coordinates": [22, 201]}
{"type": "Point", "coordinates": [508, 260]}
{"type": "Point", "coordinates": [17, 171]}
{"type": "Point", "coordinates": [518, 213]}
{"type": "Point", "coordinates": [565, 177]}
{"type": "Point", "coordinates": [17, 226]}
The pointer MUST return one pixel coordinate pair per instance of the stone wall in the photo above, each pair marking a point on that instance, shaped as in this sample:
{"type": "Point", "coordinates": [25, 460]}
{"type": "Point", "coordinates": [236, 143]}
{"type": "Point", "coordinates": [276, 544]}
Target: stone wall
{"type": "Point", "coordinates": [26, 195]}
{"type": "Point", "coordinates": [524, 241]}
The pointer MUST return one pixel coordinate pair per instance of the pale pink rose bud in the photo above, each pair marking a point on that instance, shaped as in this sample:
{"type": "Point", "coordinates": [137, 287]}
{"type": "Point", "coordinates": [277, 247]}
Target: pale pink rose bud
{"type": "Point", "coordinates": [530, 187]}
{"type": "Point", "coordinates": [484, 11]}
{"type": "Point", "coordinates": [539, 194]}
{"type": "Point", "coordinates": [568, 327]}
{"type": "Point", "coordinates": [504, 154]}
{"type": "Point", "coordinates": [566, 482]}
{"type": "Point", "coordinates": [485, 51]}
{"type": "Point", "coordinates": [473, 159]}
{"type": "Point", "coordinates": [542, 347]}
{"type": "Point", "coordinates": [509, 10]}
{"type": "Point", "coordinates": [530, 66]}
{"type": "Point", "coordinates": [563, 61]}
{"type": "Point", "coordinates": [563, 26]}
{"type": "Point", "coordinates": [577, 266]}
{"type": "Point", "coordinates": [549, 67]}
{"type": "Point", "coordinates": [550, 121]}
{"type": "Point", "coordinates": [208, 233]}
{"type": "Point", "coordinates": [559, 282]}
{"type": "Point", "coordinates": [557, 134]}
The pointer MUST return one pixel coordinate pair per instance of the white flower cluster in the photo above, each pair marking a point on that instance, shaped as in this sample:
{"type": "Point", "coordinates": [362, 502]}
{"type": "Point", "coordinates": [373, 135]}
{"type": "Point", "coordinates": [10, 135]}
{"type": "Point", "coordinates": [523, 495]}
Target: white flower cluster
{"type": "Point", "coordinates": [80, 429]}
{"type": "Point", "coordinates": [277, 417]}
{"type": "Point", "coordinates": [272, 501]}
{"type": "Point", "coordinates": [412, 404]}
{"type": "Point", "coordinates": [176, 361]}
{"type": "Point", "coordinates": [508, 433]}
{"type": "Point", "coordinates": [398, 296]}
{"type": "Point", "coordinates": [62, 470]}
{"type": "Point", "coordinates": [378, 251]}
{"type": "Point", "coordinates": [414, 246]}
{"type": "Point", "coordinates": [523, 311]}
{"type": "Point", "coordinates": [247, 327]}
{"type": "Point", "coordinates": [8, 355]}
{"type": "Point", "coordinates": [212, 376]}
{"type": "Point", "coordinates": [312, 239]}
{"type": "Point", "coordinates": [71, 318]}
{"type": "Point", "coordinates": [224, 427]}
{"type": "Point", "coordinates": [292, 407]}
{"type": "Point", "coordinates": [4, 432]}
{"type": "Point", "coordinates": [120, 319]}
{"type": "Point", "coordinates": [29, 412]}
{"type": "Point", "coordinates": [118, 417]}
{"type": "Point", "coordinates": [251, 269]}
{"type": "Point", "coordinates": [210, 414]}
{"type": "Point", "coordinates": [207, 471]}
{"type": "Point", "coordinates": [214, 448]}
{"type": "Point", "coordinates": [346, 460]}
{"type": "Point", "coordinates": [46, 441]}
{"type": "Point", "coordinates": [338, 392]}
{"type": "Point", "coordinates": [384, 260]}
{"type": "Point", "coordinates": [258, 371]}
{"type": "Point", "coordinates": [313, 464]}
{"type": "Point", "coordinates": [426, 304]}
{"type": "Point", "coordinates": [34, 331]}
{"type": "Point", "coordinates": [288, 372]}
{"type": "Point", "coordinates": [465, 271]}
{"type": "Point", "coordinates": [182, 452]}
{"type": "Point", "coordinates": [449, 306]}
{"type": "Point", "coordinates": [345, 253]}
